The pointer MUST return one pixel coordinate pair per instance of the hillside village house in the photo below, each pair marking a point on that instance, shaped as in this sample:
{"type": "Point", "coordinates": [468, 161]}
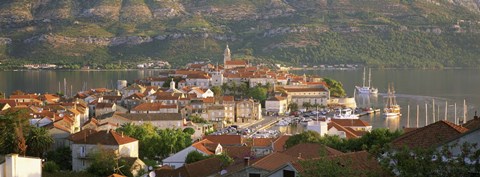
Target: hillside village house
{"type": "Point", "coordinates": [134, 88]}
{"type": "Point", "coordinates": [277, 105]}
{"type": "Point", "coordinates": [105, 108]}
{"type": "Point", "coordinates": [152, 108]}
{"type": "Point", "coordinates": [204, 147]}
{"type": "Point", "coordinates": [84, 147]}
{"type": "Point", "coordinates": [248, 110]}
{"type": "Point", "coordinates": [307, 94]}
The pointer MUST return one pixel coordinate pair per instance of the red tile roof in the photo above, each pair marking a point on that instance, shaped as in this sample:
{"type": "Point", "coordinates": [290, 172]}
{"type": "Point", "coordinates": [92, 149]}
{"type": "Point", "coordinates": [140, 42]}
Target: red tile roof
{"type": "Point", "coordinates": [208, 100]}
{"type": "Point", "coordinates": [304, 89]}
{"type": "Point", "coordinates": [429, 136]}
{"type": "Point", "coordinates": [198, 76]}
{"type": "Point", "coordinates": [226, 140]}
{"type": "Point", "coordinates": [201, 168]}
{"type": "Point", "coordinates": [201, 146]}
{"type": "Point", "coordinates": [153, 107]}
{"type": "Point", "coordinates": [262, 142]}
{"type": "Point", "coordinates": [472, 124]}
{"type": "Point", "coordinates": [238, 153]}
{"type": "Point", "coordinates": [279, 143]}
{"type": "Point", "coordinates": [106, 138]}
{"type": "Point", "coordinates": [227, 98]}
{"type": "Point", "coordinates": [351, 122]}
{"type": "Point", "coordinates": [135, 96]}
{"type": "Point", "coordinates": [81, 135]}
{"type": "Point", "coordinates": [311, 150]}
{"type": "Point", "coordinates": [349, 133]}
{"type": "Point", "coordinates": [273, 161]}
{"type": "Point", "coordinates": [12, 103]}
{"type": "Point", "coordinates": [236, 62]}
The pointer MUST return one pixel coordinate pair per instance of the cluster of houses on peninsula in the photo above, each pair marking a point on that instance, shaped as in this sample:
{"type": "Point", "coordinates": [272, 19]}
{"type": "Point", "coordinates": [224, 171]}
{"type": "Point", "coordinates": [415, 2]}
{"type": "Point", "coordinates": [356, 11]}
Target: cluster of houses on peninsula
{"type": "Point", "coordinates": [88, 120]}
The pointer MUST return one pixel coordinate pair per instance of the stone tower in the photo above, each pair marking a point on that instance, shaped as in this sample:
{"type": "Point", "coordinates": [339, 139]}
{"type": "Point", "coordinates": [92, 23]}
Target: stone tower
{"type": "Point", "coordinates": [172, 85]}
{"type": "Point", "coordinates": [226, 55]}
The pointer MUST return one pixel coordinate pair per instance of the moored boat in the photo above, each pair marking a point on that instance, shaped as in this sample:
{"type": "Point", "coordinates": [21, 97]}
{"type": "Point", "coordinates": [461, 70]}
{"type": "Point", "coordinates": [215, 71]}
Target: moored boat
{"type": "Point", "coordinates": [392, 109]}
{"type": "Point", "coordinates": [367, 89]}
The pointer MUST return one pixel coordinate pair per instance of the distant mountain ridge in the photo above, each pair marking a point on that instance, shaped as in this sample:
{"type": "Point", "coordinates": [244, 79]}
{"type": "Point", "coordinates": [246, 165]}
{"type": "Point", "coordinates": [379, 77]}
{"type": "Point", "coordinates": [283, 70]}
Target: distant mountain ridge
{"type": "Point", "coordinates": [383, 33]}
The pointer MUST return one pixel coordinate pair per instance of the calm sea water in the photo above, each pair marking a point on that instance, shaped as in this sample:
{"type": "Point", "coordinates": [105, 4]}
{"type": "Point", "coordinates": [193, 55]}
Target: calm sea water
{"type": "Point", "coordinates": [413, 87]}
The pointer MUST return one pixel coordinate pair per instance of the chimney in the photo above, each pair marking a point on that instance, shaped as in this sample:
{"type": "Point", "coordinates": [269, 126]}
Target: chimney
{"type": "Point", "coordinates": [299, 155]}
{"type": "Point", "coordinates": [246, 161]}
{"type": "Point", "coordinates": [122, 134]}
{"type": "Point", "coordinates": [475, 117]}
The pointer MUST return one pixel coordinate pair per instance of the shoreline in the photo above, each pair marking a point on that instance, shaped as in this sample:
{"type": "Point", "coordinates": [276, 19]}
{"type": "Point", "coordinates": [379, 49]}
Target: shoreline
{"type": "Point", "coordinates": [291, 69]}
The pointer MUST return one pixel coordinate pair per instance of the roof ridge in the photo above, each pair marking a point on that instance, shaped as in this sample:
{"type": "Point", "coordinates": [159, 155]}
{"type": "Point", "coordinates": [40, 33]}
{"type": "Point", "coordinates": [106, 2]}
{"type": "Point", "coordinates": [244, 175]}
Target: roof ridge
{"type": "Point", "coordinates": [344, 129]}
{"type": "Point", "coordinates": [458, 128]}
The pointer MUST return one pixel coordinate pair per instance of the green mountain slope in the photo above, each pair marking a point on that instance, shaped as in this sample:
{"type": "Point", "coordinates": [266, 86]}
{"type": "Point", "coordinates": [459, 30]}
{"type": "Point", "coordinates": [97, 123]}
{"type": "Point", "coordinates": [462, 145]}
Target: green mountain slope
{"type": "Point", "coordinates": [380, 33]}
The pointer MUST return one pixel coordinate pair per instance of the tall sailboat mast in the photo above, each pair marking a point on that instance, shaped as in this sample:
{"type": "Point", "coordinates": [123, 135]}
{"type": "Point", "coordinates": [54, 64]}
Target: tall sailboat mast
{"type": "Point", "coordinates": [464, 111]}
{"type": "Point", "coordinates": [363, 77]}
{"type": "Point", "coordinates": [369, 77]}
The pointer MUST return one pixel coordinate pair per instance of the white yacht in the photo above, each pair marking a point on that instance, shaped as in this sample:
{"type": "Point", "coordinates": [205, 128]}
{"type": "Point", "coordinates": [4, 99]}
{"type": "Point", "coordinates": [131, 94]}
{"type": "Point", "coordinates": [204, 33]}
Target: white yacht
{"type": "Point", "coordinates": [345, 114]}
{"type": "Point", "coordinates": [367, 89]}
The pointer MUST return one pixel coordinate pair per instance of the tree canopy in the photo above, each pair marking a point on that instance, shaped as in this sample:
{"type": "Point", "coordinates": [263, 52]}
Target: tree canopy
{"type": "Point", "coordinates": [156, 143]}
{"type": "Point", "coordinates": [335, 87]}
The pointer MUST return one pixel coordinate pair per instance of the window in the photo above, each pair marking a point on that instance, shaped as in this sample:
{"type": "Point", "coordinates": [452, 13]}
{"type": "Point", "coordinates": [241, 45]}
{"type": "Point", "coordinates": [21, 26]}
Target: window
{"type": "Point", "coordinates": [82, 151]}
{"type": "Point", "coordinates": [288, 173]}
{"type": "Point", "coordinates": [253, 175]}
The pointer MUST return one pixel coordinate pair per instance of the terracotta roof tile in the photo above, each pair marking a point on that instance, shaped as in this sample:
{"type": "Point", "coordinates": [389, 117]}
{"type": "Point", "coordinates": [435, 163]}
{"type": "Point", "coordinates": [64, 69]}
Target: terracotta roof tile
{"type": "Point", "coordinates": [81, 135]}
{"type": "Point", "coordinates": [238, 153]}
{"type": "Point", "coordinates": [349, 133]}
{"type": "Point", "coordinates": [279, 143]}
{"type": "Point", "coordinates": [227, 98]}
{"type": "Point", "coordinates": [351, 122]}
{"type": "Point", "coordinates": [200, 145]}
{"type": "Point", "coordinates": [274, 161]}
{"type": "Point", "coordinates": [429, 136]}
{"type": "Point", "coordinates": [236, 62]}
{"type": "Point", "coordinates": [209, 100]}
{"type": "Point", "coordinates": [472, 124]}
{"type": "Point", "coordinates": [198, 76]}
{"type": "Point", "coordinates": [311, 150]}
{"type": "Point", "coordinates": [201, 168]}
{"type": "Point", "coordinates": [12, 103]}
{"type": "Point", "coordinates": [226, 140]}
{"type": "Point", "coordinates": [153, 107]}
{"type": "Point", "coordinates": [262, 142]}
{"type": "Point", "coordinates": [106, 138]}
{"type": "Point", "coordinates": [305, 89]}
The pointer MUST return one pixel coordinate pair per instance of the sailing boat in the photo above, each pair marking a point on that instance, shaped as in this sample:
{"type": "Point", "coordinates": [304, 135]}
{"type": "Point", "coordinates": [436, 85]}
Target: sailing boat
{"type": "Point", "coordinates": [367, 89]}
{"type": "Point", "coordinates": [392, 109]}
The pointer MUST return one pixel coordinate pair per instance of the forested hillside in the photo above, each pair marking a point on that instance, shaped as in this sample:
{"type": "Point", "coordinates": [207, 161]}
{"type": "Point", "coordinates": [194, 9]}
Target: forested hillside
{"type": "Point", "coordinates": [379, 33]}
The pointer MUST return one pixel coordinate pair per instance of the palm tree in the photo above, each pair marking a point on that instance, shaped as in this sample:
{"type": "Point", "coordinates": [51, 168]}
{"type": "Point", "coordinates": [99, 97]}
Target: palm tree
{"type": "Point", "coordinates": [307, 105]}
{"type": "Point", "coordinates": [225, 87]}
{"type": "Point", "coordinates": [292, 107]}
{"type": "Point", "coordinates": [39, 141]}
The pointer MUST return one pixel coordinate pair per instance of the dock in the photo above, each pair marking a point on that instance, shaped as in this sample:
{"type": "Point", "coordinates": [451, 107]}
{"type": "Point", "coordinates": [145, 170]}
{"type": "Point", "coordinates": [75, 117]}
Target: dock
{"type": "Point", "coordinates": [364, 113]}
